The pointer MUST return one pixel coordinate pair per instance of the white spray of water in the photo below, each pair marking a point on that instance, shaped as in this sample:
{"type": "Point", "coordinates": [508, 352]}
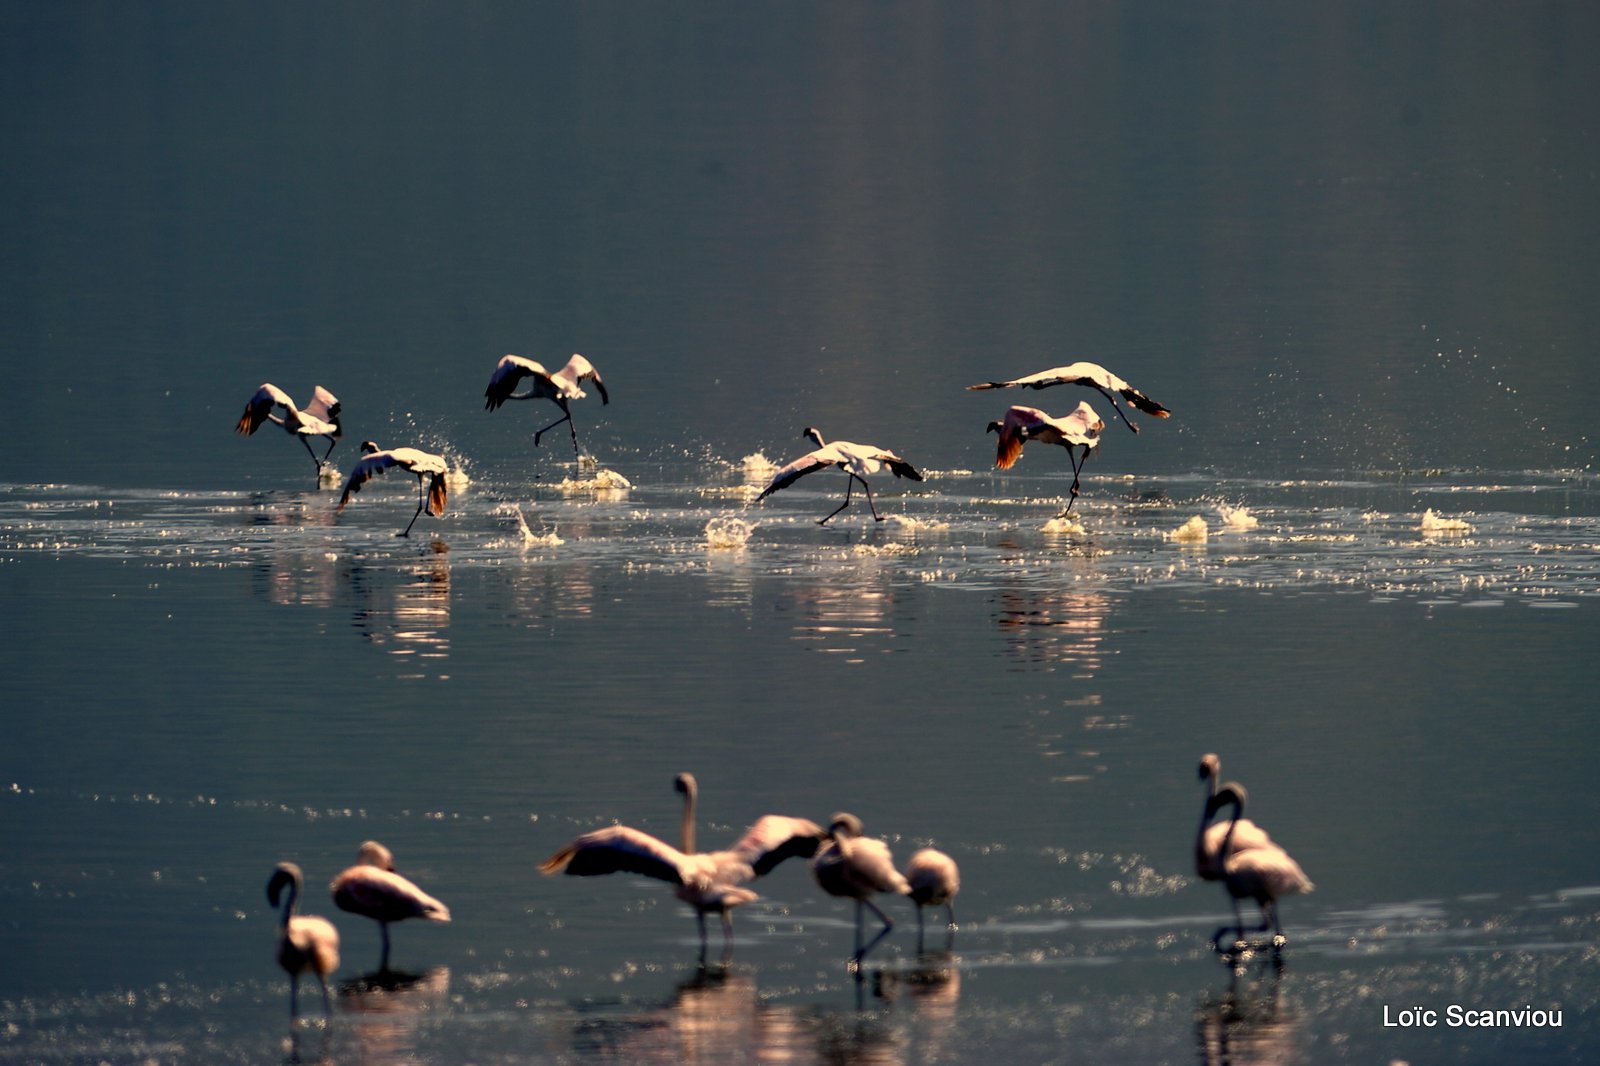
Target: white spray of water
{"type": "Point", "coordinates": [1064, 525]}
{"type": "Point", "coordinates": [1237, 518]}
{"type": "Point", "coordinates": [1193, 531]}
{"type": "Point", "coordinates": [726, 533]}
{"type": "Point", "coordinates": [1436, 525]}
{"type": "Point", "coordinates": [603, 482]}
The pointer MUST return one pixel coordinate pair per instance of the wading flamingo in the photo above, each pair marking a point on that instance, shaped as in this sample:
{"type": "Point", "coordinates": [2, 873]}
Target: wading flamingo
{"type": "Point", "coordinates": [373, 890]}
{"type": "Point", "coordinates": [1209, 837]}
{"type": "Point", "coordinates": [560, 387]}
{"type": "Point", "coordinates": [851, 866]}
{"type": "Point", "coordinates": [1263, 873]}
{"type": "Point", "coordinates": [305, 942]}
{"type": "Point", "coordinates": [429, 468]}
{"type": "Point", "coordinates": [709, 882]}
{"type": "Point", "coordinates": [856, 460]}
{"type": "Point", "coordinates": [1092, 375]}
{"type": "Point", "coordinates": [1022, 424]}
{"type": "Point", "coordinates": [320, 418]}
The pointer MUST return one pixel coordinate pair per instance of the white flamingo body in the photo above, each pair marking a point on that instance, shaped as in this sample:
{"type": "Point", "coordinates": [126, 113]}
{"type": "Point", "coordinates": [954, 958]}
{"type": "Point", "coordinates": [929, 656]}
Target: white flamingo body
{"type": "Point", "coordinates": [856, 460]}
{"type": "Point", "coordinates": [1208, 841]}
{"type": "Point", "coordinates": [709, 882]}
{"type": "Point", "coordinates": [1090, 375]}
{"type": "Point", "coordinates": [560, 387]}
{"type": "Point", "coordinates": [935, 880]}
{"type": "Point", "coordinates": [372, 889]}
{"type": "Point", "coordinates": [430, 470]}
{"type": "Point", "coordinates": [852, 866]}
{"type": "Point", "coordinates": [1263, 872]}
{"type": "Point", "coordinates": [1080, 428]}
{"type": "Point", "coordinates": [319, 418]}
{"type": "Point", "coordinates": [306, 943]}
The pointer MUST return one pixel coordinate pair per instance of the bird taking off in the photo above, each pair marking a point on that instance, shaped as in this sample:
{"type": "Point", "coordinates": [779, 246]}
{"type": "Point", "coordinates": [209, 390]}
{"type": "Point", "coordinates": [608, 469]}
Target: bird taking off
{"type": "Point", "coordinates": [562, 386]}
{"type": "Point", "coordinates": [1021, 424]}
{"type": "Point", "coordinates": [856, 460]}
{"type": "Point", "coordinates": [319, 418]}
{"type": "Point", "coordinates": [1090, 375]}
{"type": "Point", "coordinates": [429, 468]}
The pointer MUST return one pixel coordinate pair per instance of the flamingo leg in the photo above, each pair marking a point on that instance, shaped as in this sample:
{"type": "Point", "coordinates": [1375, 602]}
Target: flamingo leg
{"type": "Point", "coordinates": [566, 416]}
{"type": "Point", "coordinates": [332, 442]}
{"type": "Point", "coordinates": [311, 453]}
{"type": "Point", "coordinates": [327, 1004]}
{"type": "Point", "coordinates": [383, 927]}
{"type": "Point", "coordinates": [868, 488]}
{"type": "Point", "coordinates": [1112, 400]}
{"type": "Point", "coordinates": [294, 996]}
{"type": "Point", "coordinates": [848, 487]}
{"type": "Point", "coordinates": [406, 532]}
{"type": "Point", "coordinates": [888, 926]}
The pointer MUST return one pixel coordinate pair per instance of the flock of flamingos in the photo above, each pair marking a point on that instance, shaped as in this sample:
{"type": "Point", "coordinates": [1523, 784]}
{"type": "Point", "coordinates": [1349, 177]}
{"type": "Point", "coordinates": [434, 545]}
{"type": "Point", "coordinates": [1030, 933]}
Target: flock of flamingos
{"type": "Point", "coordinates": [320, 418]}
{"type": "Point", "coordinates": [846, 864]}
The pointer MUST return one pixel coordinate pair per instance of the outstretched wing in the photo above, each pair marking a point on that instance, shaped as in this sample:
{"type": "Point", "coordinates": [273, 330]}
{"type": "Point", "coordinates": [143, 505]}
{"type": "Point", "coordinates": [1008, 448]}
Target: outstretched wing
{"type": "Point", "coordinates": [503, 382]}
{"type": "Point", "coordinates": [324, 405]}
{"type": "Point", "coordinates": [579, 370]}
{"type": "Point", "coordinates": [259, 409]}
{"type": "Point", "coordinates": [618, 849]}
{"type": "Point", "coordinates": [789, 473]}
{"type": "Point", "coordinates": [371, 465]}
{"type": "Point", "coordinates": [776, 837]}
{"type": "Point", "coordinates": [899, 466]}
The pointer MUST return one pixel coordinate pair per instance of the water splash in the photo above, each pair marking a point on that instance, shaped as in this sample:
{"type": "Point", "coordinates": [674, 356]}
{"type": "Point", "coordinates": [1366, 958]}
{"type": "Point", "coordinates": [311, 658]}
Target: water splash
{"type": "Point", "coordinates": [726, 533]}
{"type": "Point", "coordinates": [604, 481]}
{"type": "Point", "coordinates": [1194, 531]}
{"type": "Point", "coordinates": [1063, 525]}
{"type": "Point", "coordinates": [1237, 518]}
{"type": "Point", "coordinates": [1439, 526]}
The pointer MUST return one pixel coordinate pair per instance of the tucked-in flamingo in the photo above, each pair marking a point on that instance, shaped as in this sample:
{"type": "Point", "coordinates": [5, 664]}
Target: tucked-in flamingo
{"type": "Point", "coordinates": [373, 890]}
{"type": "Point", "coordinates": [934, 879]}
{"type": "Point", "coordinates": [852, 866]}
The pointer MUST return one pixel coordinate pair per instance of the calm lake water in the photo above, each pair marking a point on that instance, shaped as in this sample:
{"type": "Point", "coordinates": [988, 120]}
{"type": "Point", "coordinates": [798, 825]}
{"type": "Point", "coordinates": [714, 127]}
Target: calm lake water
{"type": "Point", "coordinates": [1353, 250]}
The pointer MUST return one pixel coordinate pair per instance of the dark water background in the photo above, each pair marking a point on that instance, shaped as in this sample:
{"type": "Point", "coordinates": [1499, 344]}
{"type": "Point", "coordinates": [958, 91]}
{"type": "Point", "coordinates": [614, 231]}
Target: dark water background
{"type": "Point", "coordinates": [1353, 248]}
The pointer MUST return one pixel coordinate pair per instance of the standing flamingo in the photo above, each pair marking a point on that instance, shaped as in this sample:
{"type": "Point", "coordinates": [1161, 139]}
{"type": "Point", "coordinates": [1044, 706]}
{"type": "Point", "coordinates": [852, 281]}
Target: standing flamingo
{"type": "Point", "coordinates": [1208, 838]}
{"type": "Point", "coordinates": [934, 879]}
{"type": "Point", "coordinates": [709, 882]}
{"type": "Point", "coordinates": [1263, 873]}
{"type": "Point", "coordinates": [1022, 424]}
{"type": "Point", "coordinates": [851, 866]}
{"type": "Point", "coordinates": [305, 942]}
{"type": "Point", "coordinates": [561, 387]}
{"type": "Point", "coordinates": [373, 890]}
{"type": "Point", "coordinates": [857, 460]}
{"type": "Point", "coordinates": [429, 468]}
{"type": "Point", "coordinates": [1092, 375]}
{"type": "Point", "coordinates": [320, 418]}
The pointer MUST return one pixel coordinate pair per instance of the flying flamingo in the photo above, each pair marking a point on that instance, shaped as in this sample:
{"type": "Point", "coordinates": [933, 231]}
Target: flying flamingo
{"type": "Point", "coordinates": [709, 882]}
{"type": "Point", "coordinates": [561, 386]}
{"type": "Point", "coordinates": [305, 942]}
{"type": "Point", "coordinates": [373, 890]}
{"type": "Point", "coordinates": [320, 418]}
{"type": "Point", "coordinates": [1263, 873]}
{"type": "Point", "coordinates": [934, 879]}
{"type": "Point", "coordinates": [1208, 839]}
{"type": "Point", "coordinates": [856, 460]}
{"type": "Point", "coordinates": [1092, 375]}
{"type": "Point", "coordinates": [1022, 424]}
{"type": "Point", "coordinates": [429, 468]}
{"type": "Point", "coordinates": [851, 866]}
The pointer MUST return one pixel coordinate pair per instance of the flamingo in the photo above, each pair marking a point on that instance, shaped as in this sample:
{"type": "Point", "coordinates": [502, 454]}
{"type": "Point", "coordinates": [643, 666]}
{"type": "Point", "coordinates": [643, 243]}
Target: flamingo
{"type": "Point", "coordinates": [429, 468]}
{"type": "Point", "coordinates": [373, 890]}
{"type": "Point", "coordinates": [1263, 873]}
{"type": "Point", "coordinates": [561, 386]}
{"type": "Point", "coordinates": [1092, 375]}
{"type": "Point", "coordinates": [709, 882]}
{"type": "Point", "coordinates": [1208, 857]}
{"type": "Point", "coordinates": [1022, 424]}
{"type": "Point", "coordinates": [934, 879]}
{"type": "Point", "coordinates": [319, 419]}
{"type": "Point", "coordinates": [305, 942]}
{"type": "Point", "coordinates": [857, 460]}
{"type": "Point", "coordinates": [851, 866]}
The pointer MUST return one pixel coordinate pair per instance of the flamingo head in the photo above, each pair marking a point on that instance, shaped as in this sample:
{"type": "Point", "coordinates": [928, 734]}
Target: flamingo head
{"type": "Point", "coordinates": [283, 875]}
{"type": "Point", "coordinates": [373, 853]}
{"type": "Point", "coordinates": [1209, 766]}
{"type": "Point", "coordinates": [368, 447]}
{"type": "Point", "coordinates": [844, 825]}
{"type": "Point", "coordinates": [815, 434]}
{"type": "Point", "coordinates": [685, 783]}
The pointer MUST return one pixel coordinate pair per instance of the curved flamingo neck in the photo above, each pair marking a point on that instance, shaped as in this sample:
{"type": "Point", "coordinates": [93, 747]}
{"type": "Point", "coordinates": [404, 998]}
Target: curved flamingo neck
{"type": "Point", "coordinates": [688, 821]}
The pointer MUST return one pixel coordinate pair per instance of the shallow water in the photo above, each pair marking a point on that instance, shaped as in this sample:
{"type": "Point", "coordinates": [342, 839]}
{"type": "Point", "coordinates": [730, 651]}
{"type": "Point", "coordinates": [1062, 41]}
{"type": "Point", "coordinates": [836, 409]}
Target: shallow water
{"type": "Point", "coordinates": [1032, 703]}
{"type": "Point", "coordinates": [1353, 252]}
